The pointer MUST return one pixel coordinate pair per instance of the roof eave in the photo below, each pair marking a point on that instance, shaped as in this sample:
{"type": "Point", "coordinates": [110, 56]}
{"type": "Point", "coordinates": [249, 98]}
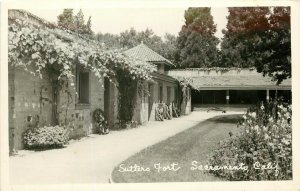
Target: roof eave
{"type": "Point", "coordinates": [167, 62]}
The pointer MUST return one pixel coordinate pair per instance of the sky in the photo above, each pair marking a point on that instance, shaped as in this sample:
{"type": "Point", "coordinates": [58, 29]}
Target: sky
{"type": "Point", "coordinates": [116, 20]}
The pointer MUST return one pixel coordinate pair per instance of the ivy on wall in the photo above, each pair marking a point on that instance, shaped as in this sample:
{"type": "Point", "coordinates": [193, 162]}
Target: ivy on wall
{"type": "Point", "coordinates": [185, 84]}
{"type": "Point", "coordinates": [50, 52]}
{"type": "Point", "coordinates": [127, 98]}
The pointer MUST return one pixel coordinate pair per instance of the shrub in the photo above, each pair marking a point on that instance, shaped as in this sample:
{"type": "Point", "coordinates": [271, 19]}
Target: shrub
{"type": "Point", "coordinates": [45, 137]}
{"type": "Point", "coordinates": [266, 139]}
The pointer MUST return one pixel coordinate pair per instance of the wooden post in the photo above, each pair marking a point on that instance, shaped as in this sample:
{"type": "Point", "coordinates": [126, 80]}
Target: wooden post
{"type": "Point", "coordinates": [268, 95]}
{"type": "Point", "coordinates": [227, 97]}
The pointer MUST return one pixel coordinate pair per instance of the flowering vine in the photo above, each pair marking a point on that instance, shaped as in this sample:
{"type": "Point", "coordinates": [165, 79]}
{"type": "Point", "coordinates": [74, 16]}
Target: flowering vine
{"type": "Point", "coordinates": [56, 53]}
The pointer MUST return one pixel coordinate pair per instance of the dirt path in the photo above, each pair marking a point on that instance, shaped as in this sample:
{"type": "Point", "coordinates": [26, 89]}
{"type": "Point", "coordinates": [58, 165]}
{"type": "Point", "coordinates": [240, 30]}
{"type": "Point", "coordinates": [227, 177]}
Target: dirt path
{"type": "Point", "coordinates": [92, 159]}
{"type": "Point", "coordinates": [186, 150]}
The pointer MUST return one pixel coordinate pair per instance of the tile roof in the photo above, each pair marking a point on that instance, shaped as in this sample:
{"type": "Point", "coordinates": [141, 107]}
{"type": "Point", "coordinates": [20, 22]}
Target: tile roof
{"type": "Point", "coordinates": [143, 52]}
{"type": "Point", "coordinates": [246, 79]}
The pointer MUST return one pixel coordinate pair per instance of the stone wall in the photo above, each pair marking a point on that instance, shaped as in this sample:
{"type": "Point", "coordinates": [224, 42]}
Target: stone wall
{"type": "Point", "coordinates": [31, 104]}
{"type": "Point", "coordinates": [80, 116]}
{"type": "Point", "coordinates": [31, 98]}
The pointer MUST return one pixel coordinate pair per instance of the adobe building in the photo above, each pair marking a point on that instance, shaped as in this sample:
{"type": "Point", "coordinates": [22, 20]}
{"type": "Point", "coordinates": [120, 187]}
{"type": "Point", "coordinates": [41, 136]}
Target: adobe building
{"type": "Point", "coordinates": [31, 99]}
{"type": "Point", "coordinates": [162, 88]}
{"type": "Point", "coordinates": [232, 86]}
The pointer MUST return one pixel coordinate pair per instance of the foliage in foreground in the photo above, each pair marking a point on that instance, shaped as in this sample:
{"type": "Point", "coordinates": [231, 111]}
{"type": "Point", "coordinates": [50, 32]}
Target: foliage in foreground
{"type": "Point", "coordinates": [266, 139]}
{"type": "Point", "coordinates": [45, 137]}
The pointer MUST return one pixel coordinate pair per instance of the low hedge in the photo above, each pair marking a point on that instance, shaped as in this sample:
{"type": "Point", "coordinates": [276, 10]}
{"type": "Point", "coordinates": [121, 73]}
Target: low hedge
{"type": "Point", "coordinates": [45, 137]}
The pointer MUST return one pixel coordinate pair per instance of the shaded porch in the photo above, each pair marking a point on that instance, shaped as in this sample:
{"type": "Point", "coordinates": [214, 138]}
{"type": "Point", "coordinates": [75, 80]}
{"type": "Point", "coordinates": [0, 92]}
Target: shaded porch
{"type": "Point", "coordinates": [234, 99]}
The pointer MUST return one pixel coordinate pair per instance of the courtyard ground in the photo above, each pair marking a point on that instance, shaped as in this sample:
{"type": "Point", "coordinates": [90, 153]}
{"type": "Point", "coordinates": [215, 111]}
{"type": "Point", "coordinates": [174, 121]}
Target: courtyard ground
{"type": "Point", "coordinates": [176, 159]}
{"type": "Point", "coordinates": [91, 159]}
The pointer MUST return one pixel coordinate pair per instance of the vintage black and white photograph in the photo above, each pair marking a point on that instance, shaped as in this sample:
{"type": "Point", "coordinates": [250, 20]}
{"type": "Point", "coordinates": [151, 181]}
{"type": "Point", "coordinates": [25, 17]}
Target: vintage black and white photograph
{"type": "Point", "coordinates": [149, 95]}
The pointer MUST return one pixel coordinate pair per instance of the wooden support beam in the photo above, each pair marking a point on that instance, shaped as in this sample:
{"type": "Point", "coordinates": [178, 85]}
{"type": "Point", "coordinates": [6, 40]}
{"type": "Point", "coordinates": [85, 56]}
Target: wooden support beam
{"type": "Point", "coordinates": [227, 97]}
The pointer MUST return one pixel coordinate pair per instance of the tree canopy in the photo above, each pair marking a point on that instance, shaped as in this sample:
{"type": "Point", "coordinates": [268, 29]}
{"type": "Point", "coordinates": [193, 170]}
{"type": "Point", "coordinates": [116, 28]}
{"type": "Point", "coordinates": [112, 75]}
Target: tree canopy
{"type": "Point", "coordinates": [66, 19]}
{"type": "Point", "coordinates": [131, 38]}
{"type": "Point", "coordinates": [197, 45]}
{"type": "Point", "coordinates": [254, 37]}
{"type": "Point", "coordinates": [246, 28]}
{"type": "Point", "coordinates": [75, 23]}
{"type": "Point", "coordinates": [277, 62]}
{"type": "Point", "coordinates": [79, 22]}
{"type": "Point", "coordinates": [258, 37]}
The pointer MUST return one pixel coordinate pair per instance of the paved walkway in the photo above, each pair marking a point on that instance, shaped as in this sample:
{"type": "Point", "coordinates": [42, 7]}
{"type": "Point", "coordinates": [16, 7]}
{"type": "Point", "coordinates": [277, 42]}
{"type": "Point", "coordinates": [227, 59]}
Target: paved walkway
{"type": "Point", "coordinates": [91, 159]}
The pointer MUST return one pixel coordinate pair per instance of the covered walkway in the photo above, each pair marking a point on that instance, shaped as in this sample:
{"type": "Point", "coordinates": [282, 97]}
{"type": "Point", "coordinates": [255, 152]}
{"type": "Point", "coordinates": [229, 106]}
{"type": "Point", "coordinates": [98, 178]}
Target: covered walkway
{"type": "Point", "coordinates": [232, 86]}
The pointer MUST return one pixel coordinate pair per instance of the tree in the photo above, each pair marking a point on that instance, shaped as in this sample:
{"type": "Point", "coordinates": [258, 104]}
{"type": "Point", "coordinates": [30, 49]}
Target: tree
{"type": "Point", "coordinates": [246, 30]}
{"type": "Point", "coordinates": [75, 23]}
{"type": "Point", "coordinates": [131, 38]}
{"type": "Point", "coordinates": [111, 41]}
{"type": "Point", "coordinates": [89, 26]}
{"type": "Point", "coordinates": [259, 37]}
{"type": "Point", "coordinates": [128, 38]}
{"type": "Point", "coordinates": [168, 47]}
{"type": "Point", "coordinates": [277, 62]}
{"type": "Point", "coordinates": [80, 27]}
{"type": "Point", "coordinates": [150, 38]}
{"type": "Point", "coordinates": [197, 45]}
{"type": "Point", "coordinates": [66, 19]}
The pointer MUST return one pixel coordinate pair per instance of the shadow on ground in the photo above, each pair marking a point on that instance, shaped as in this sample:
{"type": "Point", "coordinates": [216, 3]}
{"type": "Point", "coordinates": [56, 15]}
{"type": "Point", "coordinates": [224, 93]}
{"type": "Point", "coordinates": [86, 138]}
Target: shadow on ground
{"type": "Point", "coordinates": [173, 159]}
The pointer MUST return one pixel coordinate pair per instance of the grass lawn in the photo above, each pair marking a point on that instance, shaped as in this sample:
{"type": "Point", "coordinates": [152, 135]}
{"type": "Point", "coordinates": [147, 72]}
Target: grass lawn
{"type": "Point", "coordinates": [171, 160]}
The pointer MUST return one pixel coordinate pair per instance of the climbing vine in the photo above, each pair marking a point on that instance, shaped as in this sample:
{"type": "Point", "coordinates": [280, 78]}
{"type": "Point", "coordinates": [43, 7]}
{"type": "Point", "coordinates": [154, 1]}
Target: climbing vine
{"type": "Point", "coordinates": [185, 84]}
{"type": "Point", "coordinates": [52, 52]}
{"type": "Point", "coordinates": [127, 98]}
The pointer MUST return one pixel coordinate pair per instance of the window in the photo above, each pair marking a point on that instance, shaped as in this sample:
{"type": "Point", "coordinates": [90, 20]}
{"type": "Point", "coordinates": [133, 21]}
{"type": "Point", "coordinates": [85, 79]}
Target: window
{"type": "Point", "coordinates": [83, 87]}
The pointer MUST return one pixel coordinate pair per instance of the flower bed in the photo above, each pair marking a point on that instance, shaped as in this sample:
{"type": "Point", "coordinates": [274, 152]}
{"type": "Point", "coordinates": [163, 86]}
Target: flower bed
{"type": "Point", "coordinates": [266, 140]}
{"type": "Point", "coordinates": [45, 137]}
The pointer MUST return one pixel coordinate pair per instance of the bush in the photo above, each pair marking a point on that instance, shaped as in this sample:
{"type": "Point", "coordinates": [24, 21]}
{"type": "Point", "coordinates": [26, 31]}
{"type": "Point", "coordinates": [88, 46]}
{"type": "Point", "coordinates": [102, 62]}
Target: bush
{"type": "Point", "coordinates": [45, 137]}
{"type": "Point", "coordinates": [266, 139]}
